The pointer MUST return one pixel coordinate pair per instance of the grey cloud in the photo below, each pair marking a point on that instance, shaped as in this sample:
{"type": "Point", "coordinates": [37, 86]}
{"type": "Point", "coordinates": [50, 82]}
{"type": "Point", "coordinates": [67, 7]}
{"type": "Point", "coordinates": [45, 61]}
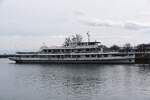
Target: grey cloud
{"type": "Point", "coordinates": [130, 25]}
{"type": "Point", "coordinates": [1, 1]}
{"type": "Point", "coordinates": [148, 1]}
{"type": "Point", "coordinates": [135, 26]}
{"type": "Point", "coordinates": [79, 13]}
{"type": "Point", "coordinates": [94, 22]}
{"type": "Point", "coordinates": [98, 23]}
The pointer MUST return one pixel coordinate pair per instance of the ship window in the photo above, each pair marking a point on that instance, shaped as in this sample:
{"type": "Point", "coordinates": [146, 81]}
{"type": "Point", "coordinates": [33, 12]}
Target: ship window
{"type": "Point", "coordinates": [93, 55]}
{"type": "Point", "coordinates": [79, 50]}
{"type": "Point", "coordinates": [44, 56]}
{"type": "Point", "coordinates": [49, 56]}
{"type": "Point", "coordinates": [61, 56]}
{"type": "Point", "coordinates": [58, 56]}
{"type": "Point", "coordinates": [44, 50]}
{"type": "Point", "coordinates": [75, 50]}
{"type": "Point", "coordinates": [32, 56]}
{"type": "Point", "coordinates": [99, 55]}
{"type": "Point", "coordinates": [67, 50]}
{"type": "Point", "coordinates": [49, 50]}
{"type": "Point", "coordinates": [105, 55]}
{"type": "Point", "coordinates": [54, 51]}
{"type": "Point", "coordinates": [87, 56]}
{"type": "Point", "coordinates": [67, 56]}
{"type": "Point", "coordinates": [74, 56]}
{"type": "Point", "coordinates": [71, 50]}
{"type": "Point", "coordinates": [87, 49]}
{"type": "Point", "coordinates": [92, 49]}
{"type": "Point", "coordinates": [78, 56]}
{"type": "Point", "coordinates": [27, 56]}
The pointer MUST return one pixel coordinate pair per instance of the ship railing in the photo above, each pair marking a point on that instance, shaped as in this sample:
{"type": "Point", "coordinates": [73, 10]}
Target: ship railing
{"type": "Point", "coordinates": [75, 58]}
{"type": "Point", "coordinates": [67, 52]}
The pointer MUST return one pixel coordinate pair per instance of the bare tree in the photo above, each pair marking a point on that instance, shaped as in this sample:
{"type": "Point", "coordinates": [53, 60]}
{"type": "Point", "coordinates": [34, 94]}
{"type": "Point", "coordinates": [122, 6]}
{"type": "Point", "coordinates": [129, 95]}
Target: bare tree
{"type": "Point", "coordinates": [78, 38]}
{"type": "Point", "coordinates": [127, 47]}
{"type": "Point", "coordinates": [74, 38]}
{"type": "Point", "coordinates": [67, 41]}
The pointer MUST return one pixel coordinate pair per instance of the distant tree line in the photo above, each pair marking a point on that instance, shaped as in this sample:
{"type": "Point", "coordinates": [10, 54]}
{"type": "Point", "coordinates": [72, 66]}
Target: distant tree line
{"type": "Point", "coordinates": [128, 48]}
{"type": "Point", "coordinates": [125, 48]}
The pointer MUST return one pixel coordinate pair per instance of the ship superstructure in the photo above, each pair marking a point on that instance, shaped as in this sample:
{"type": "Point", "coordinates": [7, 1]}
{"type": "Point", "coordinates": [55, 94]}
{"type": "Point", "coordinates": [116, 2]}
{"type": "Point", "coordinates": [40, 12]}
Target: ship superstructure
{"type": "Point", "coordinates": [74, 52]}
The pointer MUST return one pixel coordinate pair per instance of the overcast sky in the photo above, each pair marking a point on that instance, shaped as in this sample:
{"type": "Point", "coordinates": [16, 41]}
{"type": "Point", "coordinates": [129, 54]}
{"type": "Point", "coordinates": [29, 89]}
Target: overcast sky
{"type": "Point", "coordinates": [26, 24]}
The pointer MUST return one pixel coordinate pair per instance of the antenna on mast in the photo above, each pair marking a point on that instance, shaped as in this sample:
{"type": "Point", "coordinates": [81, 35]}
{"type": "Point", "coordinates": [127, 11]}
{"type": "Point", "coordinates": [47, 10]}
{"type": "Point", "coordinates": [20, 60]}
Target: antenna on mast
{"type": "Point", "coordinates": [88, 36]}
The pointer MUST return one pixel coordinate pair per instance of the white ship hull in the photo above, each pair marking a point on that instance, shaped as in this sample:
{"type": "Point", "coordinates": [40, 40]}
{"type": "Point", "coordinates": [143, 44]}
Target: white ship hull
{"type": "Point", "coordinates": [104, 60]}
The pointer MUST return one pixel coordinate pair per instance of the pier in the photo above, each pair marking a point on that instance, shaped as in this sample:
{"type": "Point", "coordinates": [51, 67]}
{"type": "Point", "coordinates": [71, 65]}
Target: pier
{"type": "Point", "coordinates": [142, 58]}
{"type": "Point", "coordinates": [6, 55]}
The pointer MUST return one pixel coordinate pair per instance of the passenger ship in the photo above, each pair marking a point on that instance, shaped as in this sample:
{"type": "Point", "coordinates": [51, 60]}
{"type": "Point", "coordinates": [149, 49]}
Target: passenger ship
{"type": "Point", "coordinates": [75, 53]}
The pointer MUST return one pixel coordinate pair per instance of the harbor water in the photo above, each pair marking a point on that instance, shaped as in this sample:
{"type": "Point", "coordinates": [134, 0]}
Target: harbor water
{"type": "Point", "coordinates": [73, 81]}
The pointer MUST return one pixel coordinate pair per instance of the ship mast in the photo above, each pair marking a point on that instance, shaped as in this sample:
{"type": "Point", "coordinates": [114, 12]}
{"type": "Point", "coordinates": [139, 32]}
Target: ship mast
{"type": "Point", "coordinates": [88, 35]}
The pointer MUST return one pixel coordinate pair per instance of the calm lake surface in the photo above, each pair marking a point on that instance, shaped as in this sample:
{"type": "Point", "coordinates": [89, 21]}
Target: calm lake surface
{"type": "Point", "coordinates": [73, 82]}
